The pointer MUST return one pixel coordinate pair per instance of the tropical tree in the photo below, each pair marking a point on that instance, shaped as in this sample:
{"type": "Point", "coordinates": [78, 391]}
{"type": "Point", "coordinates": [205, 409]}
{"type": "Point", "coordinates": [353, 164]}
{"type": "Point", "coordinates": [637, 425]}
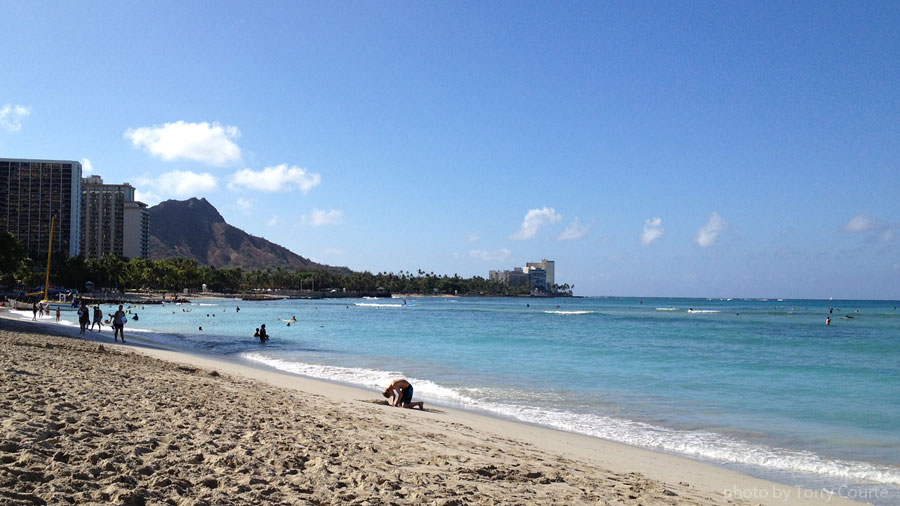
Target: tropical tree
{"type": "Point", "coordinates": [15, 263]}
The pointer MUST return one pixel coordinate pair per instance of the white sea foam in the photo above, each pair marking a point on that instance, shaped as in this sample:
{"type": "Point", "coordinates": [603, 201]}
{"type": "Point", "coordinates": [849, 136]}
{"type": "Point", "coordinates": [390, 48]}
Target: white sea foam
{"type": "Point", "coordinates": [368, 304]}
{"type": "Point", "coordinates": [702, 311]}
{"type": "Point", "coordinates": [700, 444]}
{"type": "Point", "coordinates": [667, 309]}
{"type": "Point", "coordinates": [369, 378]}
{"type": "Point", "coordinates": [570, 312]}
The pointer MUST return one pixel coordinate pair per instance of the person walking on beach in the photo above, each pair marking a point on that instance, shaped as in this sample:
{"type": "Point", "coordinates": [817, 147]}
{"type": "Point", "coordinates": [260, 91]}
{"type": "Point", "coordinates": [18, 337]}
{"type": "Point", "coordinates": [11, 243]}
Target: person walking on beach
{"type": "Point", "coordinates": [58, 314]}
{"type": "Point", "coordinates": [34, 312]}
{"type": "Point", "coordinates": [98, 319]}
{"type": "Point", "coordinates": [118, 323]}
{"type": "Point", "coordinates": [400, 393]}
{"type": "Point", "coordinates": [83, 318]}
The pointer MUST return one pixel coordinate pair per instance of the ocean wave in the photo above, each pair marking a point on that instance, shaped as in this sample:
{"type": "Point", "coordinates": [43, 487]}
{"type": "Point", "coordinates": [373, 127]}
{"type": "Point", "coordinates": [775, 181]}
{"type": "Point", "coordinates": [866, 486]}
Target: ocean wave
{"type": "Point", "coordinates": [570, 312]}
{"type": "Point", "coordinates": [667, 309]}
{"type": "Point", "coordinates": [703, 311]}
{"type": "Point", "coordinates": [699, 444]}
{"type": "Point", "coordinates": [366, 304]}
{"type": "Point", "coordinates": [369, 378]}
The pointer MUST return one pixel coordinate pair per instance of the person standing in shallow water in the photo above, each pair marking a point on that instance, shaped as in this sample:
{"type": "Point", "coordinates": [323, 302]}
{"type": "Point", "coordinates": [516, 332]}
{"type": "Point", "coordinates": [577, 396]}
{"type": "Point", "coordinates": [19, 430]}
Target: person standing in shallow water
{"type": "Point", "coordinates": [263, 335]}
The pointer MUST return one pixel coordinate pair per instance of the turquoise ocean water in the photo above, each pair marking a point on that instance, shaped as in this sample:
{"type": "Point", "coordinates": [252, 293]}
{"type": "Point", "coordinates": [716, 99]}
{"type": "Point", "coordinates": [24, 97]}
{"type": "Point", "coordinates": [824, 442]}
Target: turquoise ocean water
{"type": "Point", "coordinates": [760, 386]}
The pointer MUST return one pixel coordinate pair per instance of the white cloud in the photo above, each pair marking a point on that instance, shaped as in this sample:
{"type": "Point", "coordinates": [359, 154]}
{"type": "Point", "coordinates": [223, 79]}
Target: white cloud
{"type": "Point", "coordinates": [183, 183]}
{"type": "Point", "coordinates": [652, 230]}
{"type": "Point", "coordinates": [491, 256]}
{"type": "Point", "coordinates": [860, 223]}
{"type": "Point", "coordinates": [147, 197]}
{"type": "Point", "coordinates": [534, 220]}
{"type": "Point", "coordinates": [274, 179]}
{"type": "Point", "coordinates": [321, 217]}
{"type": "Point", "coordinates": [87, 167]}
{"type": "Point", "coordinates": [11, 116]}
{"type": "Point", "coordinates": [574, 231]}
{"type": "Point", "coordinates": [201, 142]}
{"type": "Point", "coordinates": [174, 184]}
{"type": "Point", "coordinates": [272, 221]}
{"type": "Point", "coordinates": [708, 233]}
{"type": "Point", "coordinates": [244, 204]}
{"type": "Point", "coordinates": [473, 238]}
{"type": "Point", "coordinates": [873, 230]}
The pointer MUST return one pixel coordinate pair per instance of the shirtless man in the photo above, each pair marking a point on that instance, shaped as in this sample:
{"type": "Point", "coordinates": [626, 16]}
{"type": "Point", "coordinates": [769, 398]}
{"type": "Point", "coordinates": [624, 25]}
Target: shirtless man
{"type": "Point", "coordinates": [400, 393]}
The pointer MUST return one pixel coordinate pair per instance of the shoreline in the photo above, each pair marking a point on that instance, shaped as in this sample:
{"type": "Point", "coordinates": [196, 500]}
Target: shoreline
{"type": "Point", "coordinates": [669, 479]}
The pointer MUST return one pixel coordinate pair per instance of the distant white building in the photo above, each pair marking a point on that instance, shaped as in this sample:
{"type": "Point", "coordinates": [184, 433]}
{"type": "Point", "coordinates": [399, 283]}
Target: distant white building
{"type": "Point", "coordinates": [535, 274]}
{"type": "Point", "coordinates": [548, 266]}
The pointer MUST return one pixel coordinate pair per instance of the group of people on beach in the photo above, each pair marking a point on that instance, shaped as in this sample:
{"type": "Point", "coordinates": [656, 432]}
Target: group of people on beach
{"type": "Point", "coordinates": [117, 320]}
{"type": "Point", "coordinates": [39, 309]}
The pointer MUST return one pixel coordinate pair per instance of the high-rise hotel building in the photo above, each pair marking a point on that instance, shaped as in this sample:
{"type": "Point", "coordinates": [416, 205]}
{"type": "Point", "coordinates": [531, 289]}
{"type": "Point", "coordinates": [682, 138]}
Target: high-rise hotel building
{"type": "Point", "coordinates": [112, 221]}
{"type": "Point", "coordinates": [31, 193]}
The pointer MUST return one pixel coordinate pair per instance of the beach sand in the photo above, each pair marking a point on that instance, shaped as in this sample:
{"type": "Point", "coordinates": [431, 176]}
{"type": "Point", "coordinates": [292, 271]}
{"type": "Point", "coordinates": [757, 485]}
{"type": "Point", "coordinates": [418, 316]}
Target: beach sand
{"type": "Point", "coordinates": [83, 422]}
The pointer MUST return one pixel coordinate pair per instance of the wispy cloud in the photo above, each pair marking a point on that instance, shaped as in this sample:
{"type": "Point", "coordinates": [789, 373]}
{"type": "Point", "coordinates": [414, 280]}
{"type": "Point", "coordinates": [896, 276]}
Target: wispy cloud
{"type": "Point", "coordinates": [244, 204]}
{"type": "Point", "coordinates": [321, 217]}
{"type": "Point", "coordinates": [872, 229]}
{"type": "Point", "coordinates": [275, 179]}
{"type": "Point", "coordinates": [860, 223]}
{"type": "Point", "coordinates": [273, 221]}
{"type": "Point", "coordinates": [573, 231]}
{"type": "Point", "coordinates": [534, 220]}
{"type": "Point", "coordinates": [11, 116]}
{"type": "Point", "coordinates": [473, 238]}
{"type": "Point", "coordinates": [708, 233]}
{"type": "Point", "coordinates": [174, 184]}
{"type": "Point", "coordinates": [208, 143]}
{"type": "Point", "coordinates": [652, 230]}
{"type": "Point", "coordinates": [87, 167]}
{"type": "Point", "coordinates": [491, 256]}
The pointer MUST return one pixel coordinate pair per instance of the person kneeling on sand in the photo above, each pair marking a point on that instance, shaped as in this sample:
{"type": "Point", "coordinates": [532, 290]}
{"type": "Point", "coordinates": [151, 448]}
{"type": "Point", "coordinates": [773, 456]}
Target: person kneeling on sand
{"type": "Point", "coordinates": [400, 393]}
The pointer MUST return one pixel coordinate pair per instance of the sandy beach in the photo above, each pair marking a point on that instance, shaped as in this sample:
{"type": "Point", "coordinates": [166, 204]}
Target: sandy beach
{"type": "Point", "coordinates": [88, 422]}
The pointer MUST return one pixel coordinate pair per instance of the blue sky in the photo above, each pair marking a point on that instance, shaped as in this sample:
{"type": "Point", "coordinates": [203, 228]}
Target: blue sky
{"type": "Point", "coordinates": [720, 149]}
